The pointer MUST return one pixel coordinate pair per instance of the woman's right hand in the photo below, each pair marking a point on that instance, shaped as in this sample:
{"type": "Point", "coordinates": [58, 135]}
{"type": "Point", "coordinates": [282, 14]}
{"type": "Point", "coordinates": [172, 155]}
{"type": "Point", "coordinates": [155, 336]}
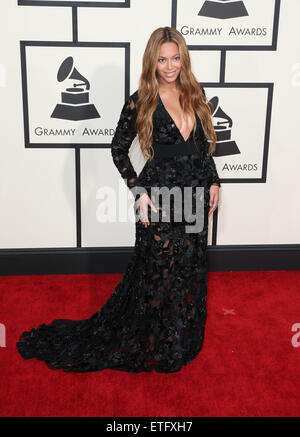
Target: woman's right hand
{"type": "Point", "coordinates": [142, 206]}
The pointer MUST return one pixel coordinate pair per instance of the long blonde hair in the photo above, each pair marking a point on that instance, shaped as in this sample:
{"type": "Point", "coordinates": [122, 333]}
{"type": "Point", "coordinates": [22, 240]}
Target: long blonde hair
{"type": "Point", "coordinates": [191, 99]}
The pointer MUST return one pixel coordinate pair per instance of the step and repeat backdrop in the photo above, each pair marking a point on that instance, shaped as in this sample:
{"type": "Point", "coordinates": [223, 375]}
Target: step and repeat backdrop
{"type": "Point", "coordinates": [66, 69]}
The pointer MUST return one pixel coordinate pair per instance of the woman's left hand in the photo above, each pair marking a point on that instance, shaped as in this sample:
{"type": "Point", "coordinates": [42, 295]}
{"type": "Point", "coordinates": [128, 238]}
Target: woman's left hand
{"type": "Point", "coordinates": [213, 198]}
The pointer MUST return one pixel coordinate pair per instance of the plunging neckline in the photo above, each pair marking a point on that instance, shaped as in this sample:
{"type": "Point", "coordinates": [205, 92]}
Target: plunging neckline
{"type": "Point", "coordinates": [160, 99]}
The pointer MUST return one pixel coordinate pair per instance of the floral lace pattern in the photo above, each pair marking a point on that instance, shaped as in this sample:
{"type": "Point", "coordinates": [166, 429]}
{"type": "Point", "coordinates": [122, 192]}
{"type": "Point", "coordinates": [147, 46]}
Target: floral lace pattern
{"type": "Point", "coordinates": [155, 318]}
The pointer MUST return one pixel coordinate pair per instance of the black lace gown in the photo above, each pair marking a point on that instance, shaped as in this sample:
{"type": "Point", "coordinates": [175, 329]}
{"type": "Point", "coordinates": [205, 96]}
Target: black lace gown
{"type": "Point", "coordinates": [155, 318]}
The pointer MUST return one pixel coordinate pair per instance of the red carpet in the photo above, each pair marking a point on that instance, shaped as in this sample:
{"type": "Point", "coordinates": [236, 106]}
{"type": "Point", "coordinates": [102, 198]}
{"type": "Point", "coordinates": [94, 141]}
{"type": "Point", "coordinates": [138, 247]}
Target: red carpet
{"type": "Point", "coordinates": [248, 365]}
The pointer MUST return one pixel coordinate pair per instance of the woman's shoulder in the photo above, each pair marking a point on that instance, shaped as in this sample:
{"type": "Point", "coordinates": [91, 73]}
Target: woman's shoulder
{"type": "Point", "coordinates": [134, 96]}
{"type": "Point", "coordinates": [201, 86]}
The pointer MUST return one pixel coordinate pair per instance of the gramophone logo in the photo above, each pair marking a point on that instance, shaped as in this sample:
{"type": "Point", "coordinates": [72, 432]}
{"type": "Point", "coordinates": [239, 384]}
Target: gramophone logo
{"type": "Point", "coordinates": [223, 9]}
{"type": "Point", "coordinates": [75, 100]}
{"type": "Point", "coordinates": [222, 124]}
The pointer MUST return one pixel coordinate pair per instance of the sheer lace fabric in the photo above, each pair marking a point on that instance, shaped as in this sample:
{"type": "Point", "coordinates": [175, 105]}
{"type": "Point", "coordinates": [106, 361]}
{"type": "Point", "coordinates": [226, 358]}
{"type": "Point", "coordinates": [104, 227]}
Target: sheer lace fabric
{"type": "Point", "coordinates": [155, 318]}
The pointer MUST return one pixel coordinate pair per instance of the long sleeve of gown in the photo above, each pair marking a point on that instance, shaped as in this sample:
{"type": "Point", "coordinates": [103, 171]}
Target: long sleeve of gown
{"type": "Point", "coordinates": [123, 137]}
{"type": "Point", "coordinates": [213, 177]}
{"type": "Point", "coordinates": [211, 170]}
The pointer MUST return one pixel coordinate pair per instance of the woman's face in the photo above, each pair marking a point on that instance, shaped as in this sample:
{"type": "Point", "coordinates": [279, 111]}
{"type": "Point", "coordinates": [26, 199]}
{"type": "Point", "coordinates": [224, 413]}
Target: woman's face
{"type": "Point", "coordinates": [168, 63]}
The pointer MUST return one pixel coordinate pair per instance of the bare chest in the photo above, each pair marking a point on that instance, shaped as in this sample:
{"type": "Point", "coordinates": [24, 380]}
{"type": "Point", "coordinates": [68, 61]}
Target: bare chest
{"type": "Point", "coordinates": [183, 122]}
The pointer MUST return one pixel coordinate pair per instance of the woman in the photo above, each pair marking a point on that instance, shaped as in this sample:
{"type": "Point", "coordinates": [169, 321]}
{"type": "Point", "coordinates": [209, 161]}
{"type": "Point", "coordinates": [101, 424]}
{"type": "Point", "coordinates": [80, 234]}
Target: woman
{"type": "Point", "coordinates": [155, 317]}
